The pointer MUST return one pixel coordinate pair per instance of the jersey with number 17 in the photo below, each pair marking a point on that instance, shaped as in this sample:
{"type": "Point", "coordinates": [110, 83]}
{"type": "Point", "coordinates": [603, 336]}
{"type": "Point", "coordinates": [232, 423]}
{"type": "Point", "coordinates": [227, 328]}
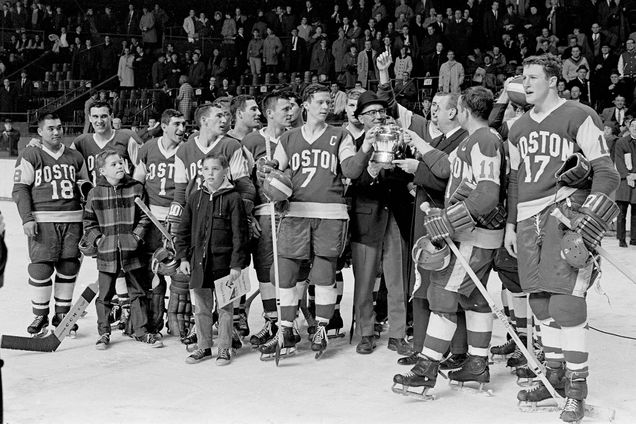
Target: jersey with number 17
{"type": "Point", "coordinates": [539, 147]}
{"type": "Point", "coordinates": [122, 141]}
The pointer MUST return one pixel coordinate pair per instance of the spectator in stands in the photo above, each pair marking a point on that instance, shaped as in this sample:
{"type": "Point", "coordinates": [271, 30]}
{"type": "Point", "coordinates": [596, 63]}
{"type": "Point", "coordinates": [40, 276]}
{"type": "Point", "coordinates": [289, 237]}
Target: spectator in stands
{"type": "Point", "coordinates": [575, 95]}
{"type": "Point", "coordinates": [6, 17]}
{"type": "Point", "coordinates": [152, 130]}
{"type": "Point", "coordinates": [451, 75]}
{"type": "Point", "coordinates": [8, 97]}
{"type": "Point", "coordinates": [350, 65]}
{"type": "Point", "coordinates": [10, 138]}
{"type": "Point", "coordinates": [225, 90]}
{"type": "Point", "coordinates": [92, 99]}
{"type": "Point", "coordinates": [581, 82]}
{"type": "Point", "coordinates": [617, 113]}
{"type": "Point", "coordinates": [296, 49]}
{"type": "Point", "coordinates": [339, 49]}
{"type": "Point", "coordinates": [107, 59]}
{"type": "Point", "coordinates": [107, 21]}
{"type": "Point", "coordinates": [321, 59]}
{"type": "Point", "coordinates": [405, 89]}
{"type": "Point", "coordinates": [228, 29]}
{"type": "Point", "coordinates": [255, 53]}
{"type": "Point", "coordinates": [132, 21]}
{"type": "Point", "coordinates": [185, 98]}
{"type": "Point", "coordinates": [189, 26]}
{"type": "Point", "coordinates": [161, 20]}
{"type": "Point", "coordinates": [434, 61]}
{"type": "Point", "coordinates": [610, 131]}
{"type": "Point", "coordinates": [572, 64]}
{"type": "Point", "coordinates": [272, 48]}
{"type": "Point", "coordinates": [403, 64]}
{"type": "Point", "coordinates": [19, 17]}
{"type": "Point", "coordinates": [196, 73]}
{"type": "Point", "coordinates": [159, 72]}
{"type": "Point", "coordinates": [240, 51]}
{"type": "Point", "coordinates": [148, 31]}
{"type": "Point", "coordinates": [208, 94]}
{"type": "Point", "coordinates": [175, 70]}
{"type": "Point", "coordinates": [125, 70]}
{"type": "Point", "coordinates": [89, 58]}
{"type": "Point", "coordinates": [305, 30]}
{"type": "Point", "coordinates": [117, 124]}
{"type": "Point", "coordinates": [367, 68]}
{"type": "Point", "coordinates": [217, 65]}
{"type": "Point", "coordinates": [24, 91]}
{"type": "Point", "coordinates": [142, 67]}
{"type": "Point", "coordinates": [89, 24]}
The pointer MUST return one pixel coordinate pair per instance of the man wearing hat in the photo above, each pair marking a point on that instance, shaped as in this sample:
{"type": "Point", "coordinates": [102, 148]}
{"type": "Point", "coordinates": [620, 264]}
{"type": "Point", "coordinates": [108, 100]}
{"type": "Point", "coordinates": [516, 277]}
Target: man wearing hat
{"type": "Point", "coordinates": [380, 224]}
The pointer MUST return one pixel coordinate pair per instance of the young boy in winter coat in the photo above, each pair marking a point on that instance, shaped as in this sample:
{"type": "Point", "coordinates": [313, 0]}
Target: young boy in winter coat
{"type": "Point", "coordinates": [114, 227]}
{"type": "Point", "coordinates": [211, 242]}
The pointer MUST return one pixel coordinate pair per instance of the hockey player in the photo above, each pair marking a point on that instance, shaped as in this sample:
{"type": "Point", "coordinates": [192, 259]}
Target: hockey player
{"type": "Point", "coordinates": [316, 156]}
{"type": "Point", "coordinates": [277, 109]}
{"type": "Point", "coordinates": [540, 143]}
{"type": "Point", "coordinates": [246, 115]}
{"type": "Point", "coordinates": [115, 227]}
{"type": "Point", "coordinates": [90, 145]}
{"type": "Point", "coordinates": [156, 171]}
{"type": "Point", "coordinates": [49, 202]}
{"type": "Point", "coordinates": [469, 219]}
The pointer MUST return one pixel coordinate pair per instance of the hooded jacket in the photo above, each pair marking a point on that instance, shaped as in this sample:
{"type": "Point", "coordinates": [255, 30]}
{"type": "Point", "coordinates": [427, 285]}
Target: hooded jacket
{"type": "Point", "coordinates": [213, 234]}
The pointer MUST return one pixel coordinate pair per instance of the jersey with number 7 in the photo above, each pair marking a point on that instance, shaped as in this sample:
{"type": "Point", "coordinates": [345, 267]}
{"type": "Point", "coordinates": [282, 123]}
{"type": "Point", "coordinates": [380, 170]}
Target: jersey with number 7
{"type": "Point", "coordinates": [539, 148]}
{"type": "Point", "coordinates": [315, 171]}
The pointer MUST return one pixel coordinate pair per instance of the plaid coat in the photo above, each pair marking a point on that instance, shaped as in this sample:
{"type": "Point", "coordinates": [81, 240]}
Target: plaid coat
{"type": "Point", "coordinates": [111, 213]}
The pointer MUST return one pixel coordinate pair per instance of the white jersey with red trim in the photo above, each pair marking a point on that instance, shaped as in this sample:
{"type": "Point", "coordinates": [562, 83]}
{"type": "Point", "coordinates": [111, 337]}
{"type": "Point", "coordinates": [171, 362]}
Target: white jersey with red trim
{"type": "Point", "coordinates": [540, 144]}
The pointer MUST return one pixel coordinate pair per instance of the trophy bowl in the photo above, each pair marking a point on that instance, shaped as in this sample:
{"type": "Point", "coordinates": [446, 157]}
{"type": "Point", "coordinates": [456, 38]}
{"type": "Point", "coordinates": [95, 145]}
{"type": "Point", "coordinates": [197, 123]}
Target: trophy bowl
{"type": "Point", "coordinates": [387, 144]}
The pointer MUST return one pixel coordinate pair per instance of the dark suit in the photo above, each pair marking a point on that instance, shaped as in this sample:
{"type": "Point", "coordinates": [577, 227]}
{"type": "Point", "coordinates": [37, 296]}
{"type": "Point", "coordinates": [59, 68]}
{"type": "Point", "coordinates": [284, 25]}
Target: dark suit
{"type": "Point", "coordinates": [492, 27]}
{"type": "Point", "coordinates": [295, 58]}
{"type": "Point", "coordinates": [8, 99]}
{"type": "Point", "coordinates": [609, 114]}
{"type": "Point", "coordinates": [24, 92]}
{"type": "Point", "coordinates": [582, 85]}
{"type": "Point", "coordinates": [377, 224]}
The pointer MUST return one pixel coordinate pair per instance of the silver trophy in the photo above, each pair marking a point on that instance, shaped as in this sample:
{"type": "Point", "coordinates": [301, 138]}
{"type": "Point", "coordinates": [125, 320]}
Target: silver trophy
{"type": "Point", "coordinates": [388, 144]}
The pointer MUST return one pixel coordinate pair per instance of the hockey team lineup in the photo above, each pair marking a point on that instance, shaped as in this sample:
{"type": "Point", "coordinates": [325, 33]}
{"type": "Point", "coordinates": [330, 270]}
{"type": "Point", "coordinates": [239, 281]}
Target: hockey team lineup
{"type": "Point", "coordinates": [466, 244]}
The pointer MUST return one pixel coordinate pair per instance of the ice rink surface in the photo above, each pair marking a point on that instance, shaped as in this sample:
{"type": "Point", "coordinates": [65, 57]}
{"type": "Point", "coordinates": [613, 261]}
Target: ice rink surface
{"type": "Point", "coordinates": [130, 383]}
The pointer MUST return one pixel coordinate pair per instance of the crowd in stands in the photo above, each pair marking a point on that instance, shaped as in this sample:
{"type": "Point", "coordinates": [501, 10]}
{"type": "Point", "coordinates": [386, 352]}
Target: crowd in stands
{"type": "Point", "coordinates": [452, 44]}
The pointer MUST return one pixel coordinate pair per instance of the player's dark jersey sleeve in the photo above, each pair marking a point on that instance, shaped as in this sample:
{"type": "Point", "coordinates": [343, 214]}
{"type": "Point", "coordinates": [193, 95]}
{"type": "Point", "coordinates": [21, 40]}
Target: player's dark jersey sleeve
{"type": "Point", "coordinates": [23, 179]}
{"type": "Point", "coordinates": [433, 171]}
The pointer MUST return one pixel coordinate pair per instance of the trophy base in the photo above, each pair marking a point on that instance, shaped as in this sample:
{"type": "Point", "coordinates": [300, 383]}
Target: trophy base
{"type": "Point", "coordinates": [383, 157]}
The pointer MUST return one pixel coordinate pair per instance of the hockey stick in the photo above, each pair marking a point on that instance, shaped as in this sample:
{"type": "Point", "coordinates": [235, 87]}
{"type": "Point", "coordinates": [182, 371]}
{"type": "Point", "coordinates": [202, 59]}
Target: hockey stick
{"type": "Point", "coordinates": [249, 300]}
{"type": "Point", "coordinates": [601, 251]}
{"type": "Point", "coordinates": [590, 410]}
{"type": "Point", "coordinates": [51, 342]}
{"type": "Point", "coordinates": [145, 209]}
{"type": "Point", "coordinates": [272, 215]}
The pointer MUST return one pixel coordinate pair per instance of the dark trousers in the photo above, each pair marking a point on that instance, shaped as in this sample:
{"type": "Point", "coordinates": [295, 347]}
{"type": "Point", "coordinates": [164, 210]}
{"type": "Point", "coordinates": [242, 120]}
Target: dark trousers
{"type": "Point", "coordinates": [136, 282]}
{"type": "Point", "coordinates": [622, 219]}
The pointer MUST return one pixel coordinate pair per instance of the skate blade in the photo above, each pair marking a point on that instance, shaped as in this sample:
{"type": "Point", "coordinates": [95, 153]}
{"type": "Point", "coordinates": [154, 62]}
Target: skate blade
{"type": "Point", "coordinates": [600, 413]}
{"type": "Point", "coordinates": [404, 391]}
{"type": "Point", "coordinates": [498, 359]}
{"type": "Point", "coordinates": [525, 382]}
{"type": "Point", "coordinates": [320, 353]}
{"type": "Point", "coordinates": [72, 334]}
{"type": "Point", "coordinates": [461, 386]}
{"type": "Point", "coordinates": [551, 405]}
{"type": "Point", "coordinates": [266, 357]}
{"type": "Point", "coordinates": [42, 334]}
{"type": "Point", "coordinates": [337, 335]}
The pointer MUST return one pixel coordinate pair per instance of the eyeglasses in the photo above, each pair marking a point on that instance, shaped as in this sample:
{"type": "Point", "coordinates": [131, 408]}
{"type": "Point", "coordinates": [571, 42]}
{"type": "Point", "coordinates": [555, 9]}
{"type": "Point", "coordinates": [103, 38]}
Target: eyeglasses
{"type": "Point", "coordinates": [380, 112]}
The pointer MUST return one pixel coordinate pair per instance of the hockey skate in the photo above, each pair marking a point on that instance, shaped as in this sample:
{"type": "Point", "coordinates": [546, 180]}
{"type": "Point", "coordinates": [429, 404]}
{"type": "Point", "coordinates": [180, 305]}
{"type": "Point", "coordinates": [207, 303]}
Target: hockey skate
{"type": "Point", "coordinates": [517, 359]}
{"type": "Point", "coordinates": [453, 361]}
{"type": "Point", "coordinates": [474, 370]}
{"type": "Point", "coordinates": [57, 319]}
{"type": "Point", "coordinates": [538, 397]}
{"type": "Point", "coordinates": [268, 331]}
{"type": "Point", "coordinates": [275, 347]}
{"type": "Point", "coordinates": [311, 322]}
{"type": "Point", "coordinates": [114, 316]}
{"type": "Point", "coordinates": [123, 319]}
{"type": "Point", "coordinates": [190, 340]}
{"type": "Point", "coordinates": [319, 340]}
{"type": "Point", "coordinates": [236, 340]}
{"type": "Point", "coordinates": [500, 352]}
{"type": "Point", "coordinates": [336, 324]}
{"type": "Point", "coordinates": [39, 327]}
{"type": "Point", "coordinates": [423, 375]}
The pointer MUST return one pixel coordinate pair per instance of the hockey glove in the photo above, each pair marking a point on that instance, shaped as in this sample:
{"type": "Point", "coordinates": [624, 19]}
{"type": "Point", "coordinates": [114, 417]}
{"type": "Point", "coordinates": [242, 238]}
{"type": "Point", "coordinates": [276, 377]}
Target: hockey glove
{"type": "Point", "coordinates": [174, 217]}
{"type": "Point", "coordinates": [594, 219]}
{"type": "Point", "coordinates": [575, 172]}
{"type": "Point", "coordinates": [461, 192]}
{"type": "Point", "coordinates": [85, 187]}
{"type": "Point", "coordinates": [442, 223]}
{"type": "Point", "coordinates": [264, 167]}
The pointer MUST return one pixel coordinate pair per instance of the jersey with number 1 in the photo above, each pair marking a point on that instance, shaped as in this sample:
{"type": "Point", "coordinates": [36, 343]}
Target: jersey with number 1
{"type": "Point", "coordinates": [156, 169]}
{"type": "Point", "coordinates": [538, 149]}
{"type": "Point", "coordinates": [122, 141]}
{"type": "Point", "coordinates": [52, 181]}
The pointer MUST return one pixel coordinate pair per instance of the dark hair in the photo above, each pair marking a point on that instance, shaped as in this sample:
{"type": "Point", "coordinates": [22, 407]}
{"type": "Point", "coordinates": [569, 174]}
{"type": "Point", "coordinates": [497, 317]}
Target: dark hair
{"type": "Point", "coordinates": [239, 103]}
{"type": "Point", "coordinates": [205, 109]}
{"type": "Point", "coordinates": [550, 63]}
{"type": "Point", "coordinates": [312, 89]}
{"type": "Point", "coordinates": [169, 114]}
{"type": "Point", "coordinates": [270, 100]}
{"type": "Point", "coordinates": [479, 101]}
{"type": "Point", "coordinates": [218, 156]}
{"type": "Point", "coordinates": [43, 118]}
{"type": "Point", "coordinates": [100, 159]}
{"type": "Point", "coordinates": [100, 104]}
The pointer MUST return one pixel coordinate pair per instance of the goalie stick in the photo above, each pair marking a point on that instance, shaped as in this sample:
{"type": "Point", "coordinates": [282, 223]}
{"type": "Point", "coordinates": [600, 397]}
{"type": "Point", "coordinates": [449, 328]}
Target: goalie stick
{"type": "Point", "coordinates": [51, 342]}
